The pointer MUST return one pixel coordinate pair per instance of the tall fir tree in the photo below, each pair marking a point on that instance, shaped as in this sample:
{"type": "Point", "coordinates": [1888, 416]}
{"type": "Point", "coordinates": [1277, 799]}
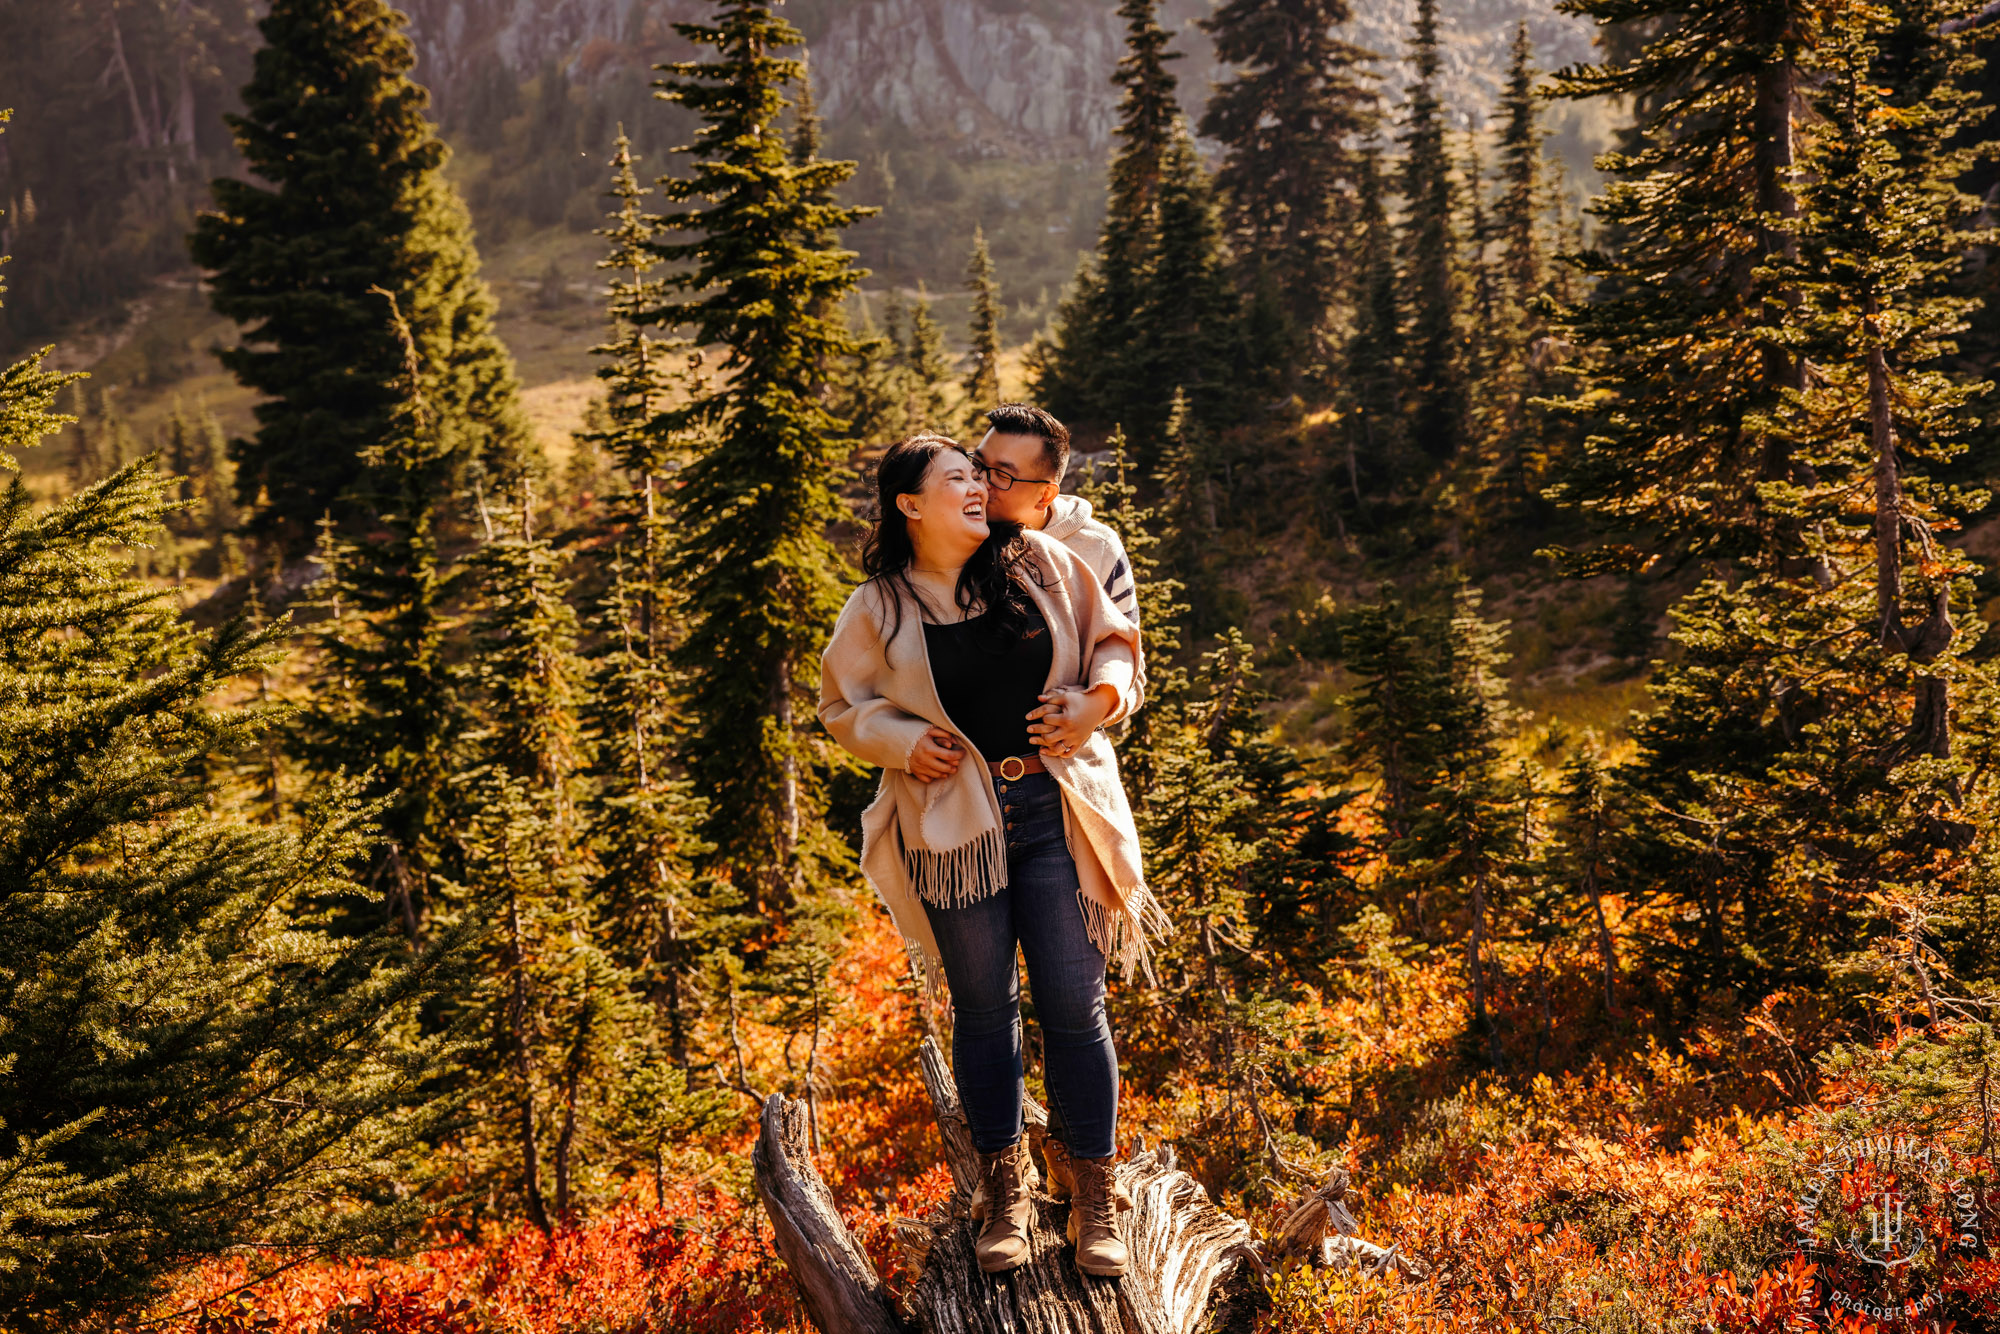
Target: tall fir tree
{"type": "Point", "coordinates": [1808, 744]}
{"type": "Point", "coordinates": [638, 370]}
{"type": "Point", "coordinates": [1881, 237]}
{"type": "Point", "coordinates": [1521, 211]}
{"type": "Point", "coordinates": [1683, 361]}
{"type": "Point", "coordinates": [1520, 231]}
{"type": "Point", "coordinates": [1200, 828]}
{"type": "Point", "coordinates": [1430, 255]}
{"type": "Point", "coordinates": [552, 993]}
{"type": "Point", "coordinates": [1371, 386]}
{"type": "Point", "coordinates": [1114, 496]}
{"type": "Point", "coordinates": [348, 194]}
{"type": "Point", "coordinates": [641, 821]}
{"type": "Point", "coordinates": [1187, 513]}
{"type": "Point", "coordinates": [924, 356]}
{"type": "Point", "coordinates": [196, 1066]}
{"type": "Point", "coordinates": [1188, 329]}
{"type": "Point", "coordinates": [1083, 369]}
{"type": "Point", "coordinates": [1427, 716]}
{"type": "Point", "coordinates": [1297, 105]}
{"type": "Point", "coordinates": [982, 373]}
{"type": "Point", "coordinates": [1583, 853]}
{"type": "Point", "coordinates": [1485, 342]}
{"type": "Point", "coordinates": [389, 697]}
{"type": "Point", "coordinates": [746, 235]}
{"type": "Point", "coordinates": [1149, 121]}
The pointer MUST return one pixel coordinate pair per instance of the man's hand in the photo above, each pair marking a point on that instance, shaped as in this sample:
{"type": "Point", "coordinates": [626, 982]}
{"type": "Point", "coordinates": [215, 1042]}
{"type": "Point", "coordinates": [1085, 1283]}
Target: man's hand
{"type": "Point", "coordinates": [1067, 716]}
{"type": "Point", "coordinates": [937, 755]}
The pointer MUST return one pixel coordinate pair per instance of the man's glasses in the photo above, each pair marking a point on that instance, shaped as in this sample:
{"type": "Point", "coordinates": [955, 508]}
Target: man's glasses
{"type": "Point", "coordinates": [999, 479]}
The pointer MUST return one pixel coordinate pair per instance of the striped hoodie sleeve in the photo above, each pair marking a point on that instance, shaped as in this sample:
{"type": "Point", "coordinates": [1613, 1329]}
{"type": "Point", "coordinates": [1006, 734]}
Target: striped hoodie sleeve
{"type": "Point", "coordinates": [1119, 587]}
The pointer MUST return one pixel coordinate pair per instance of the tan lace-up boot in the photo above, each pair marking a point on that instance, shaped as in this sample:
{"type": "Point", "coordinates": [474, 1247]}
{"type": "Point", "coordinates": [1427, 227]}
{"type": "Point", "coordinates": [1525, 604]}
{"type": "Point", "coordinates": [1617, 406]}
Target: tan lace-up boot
{"type": "Point", "coordinates": [1062, 1176]}
{"type": "Point", "coordinates": [1061, 1180]}
{"type": "Point", "coordinates": [1093, 1218]}
{"type": "Point", "coordinates": [1001, 1201]}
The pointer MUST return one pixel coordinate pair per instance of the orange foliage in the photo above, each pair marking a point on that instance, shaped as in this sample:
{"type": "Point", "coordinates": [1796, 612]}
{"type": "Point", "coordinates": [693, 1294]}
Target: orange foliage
{"type": "Point", "coordinates": [1607, 1198]}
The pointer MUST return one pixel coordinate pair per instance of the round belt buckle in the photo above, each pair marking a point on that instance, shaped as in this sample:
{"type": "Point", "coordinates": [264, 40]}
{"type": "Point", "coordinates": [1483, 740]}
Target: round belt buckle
{"type": "Point", "coordinates": [1020, 769]}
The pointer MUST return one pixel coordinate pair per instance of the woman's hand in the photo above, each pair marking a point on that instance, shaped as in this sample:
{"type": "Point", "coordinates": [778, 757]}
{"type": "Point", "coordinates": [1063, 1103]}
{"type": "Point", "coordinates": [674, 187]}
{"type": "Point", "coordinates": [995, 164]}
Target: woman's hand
{"type": "Point", "coordinates": [1067, 716]}
{"type": "Point", "coordinates": [937, 754]}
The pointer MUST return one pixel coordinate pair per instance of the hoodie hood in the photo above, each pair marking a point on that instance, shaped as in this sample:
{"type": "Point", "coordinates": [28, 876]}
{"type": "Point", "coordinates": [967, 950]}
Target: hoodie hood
{"type": "Point", "coordinates": [1067, 517]}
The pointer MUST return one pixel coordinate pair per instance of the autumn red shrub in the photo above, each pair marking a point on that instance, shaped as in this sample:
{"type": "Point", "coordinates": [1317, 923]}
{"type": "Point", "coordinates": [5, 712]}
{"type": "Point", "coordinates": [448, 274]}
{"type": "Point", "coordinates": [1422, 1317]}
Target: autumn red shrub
{"type": "Point", "coordinates": [1619, 1194]}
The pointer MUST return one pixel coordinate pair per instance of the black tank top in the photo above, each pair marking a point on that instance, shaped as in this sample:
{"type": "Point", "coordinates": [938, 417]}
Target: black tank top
{"type": "Point", "coordinates": [989, 681]}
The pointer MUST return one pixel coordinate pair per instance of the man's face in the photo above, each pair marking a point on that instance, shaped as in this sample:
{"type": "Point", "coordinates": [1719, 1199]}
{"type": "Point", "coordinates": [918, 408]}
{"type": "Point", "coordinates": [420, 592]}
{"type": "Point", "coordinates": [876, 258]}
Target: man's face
{"type": "Point", "coordinates": [1027, 501]}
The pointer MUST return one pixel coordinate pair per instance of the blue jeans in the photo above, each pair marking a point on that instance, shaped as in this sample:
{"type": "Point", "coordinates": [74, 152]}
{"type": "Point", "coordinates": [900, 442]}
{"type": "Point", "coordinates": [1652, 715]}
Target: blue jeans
{"type": "Point", "coordinates": [1038, 912]}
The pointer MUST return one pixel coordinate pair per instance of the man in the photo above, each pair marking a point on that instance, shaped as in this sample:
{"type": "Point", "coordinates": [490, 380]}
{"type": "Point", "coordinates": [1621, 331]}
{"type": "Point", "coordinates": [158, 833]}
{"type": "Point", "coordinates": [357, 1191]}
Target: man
{"type": "Point", "coordinates": [1025, 454]}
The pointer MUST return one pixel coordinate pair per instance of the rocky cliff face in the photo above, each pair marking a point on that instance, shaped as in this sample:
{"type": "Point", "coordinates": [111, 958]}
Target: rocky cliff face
{"type": "Point", "coordinates": [994, 76]}
{"type": "Point", "coordinates": [988, 79]}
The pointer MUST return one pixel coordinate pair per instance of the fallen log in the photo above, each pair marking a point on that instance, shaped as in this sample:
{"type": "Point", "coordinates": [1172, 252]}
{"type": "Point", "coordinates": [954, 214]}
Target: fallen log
{"type": "Point", "coordinates": [1185, 1251]}
{"type": "Point", "coordinates": [842, 1292]}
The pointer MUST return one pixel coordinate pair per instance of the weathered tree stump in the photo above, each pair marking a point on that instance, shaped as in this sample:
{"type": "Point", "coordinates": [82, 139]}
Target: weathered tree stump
{"type": "Point", "coordinates": [1183, 1247]}
{"type": "Point", "coordinates": [1321, 1231]}
{"type": "Point", "coordinates": [842, 1291]}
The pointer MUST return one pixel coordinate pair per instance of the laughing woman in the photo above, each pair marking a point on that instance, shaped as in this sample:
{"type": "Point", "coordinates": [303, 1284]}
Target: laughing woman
{"type": "Point", "coordinates": [975, 666]}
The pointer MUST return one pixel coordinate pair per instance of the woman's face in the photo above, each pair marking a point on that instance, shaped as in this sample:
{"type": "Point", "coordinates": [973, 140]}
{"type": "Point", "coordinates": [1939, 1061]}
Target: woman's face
{"type": "Point", "coordinates": [949, 513]}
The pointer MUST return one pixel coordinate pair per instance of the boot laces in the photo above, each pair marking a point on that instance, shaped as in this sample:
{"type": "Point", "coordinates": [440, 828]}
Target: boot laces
{"type": "Point", "coordinates": [1003, 1177]}
{"type": "Point", "coordinates": [1094, 1198]}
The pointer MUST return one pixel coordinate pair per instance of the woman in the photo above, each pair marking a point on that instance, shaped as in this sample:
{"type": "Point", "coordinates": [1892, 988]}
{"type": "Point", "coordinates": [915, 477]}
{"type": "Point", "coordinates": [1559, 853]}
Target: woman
{"type": "Point", "coordinates": [975, 666]}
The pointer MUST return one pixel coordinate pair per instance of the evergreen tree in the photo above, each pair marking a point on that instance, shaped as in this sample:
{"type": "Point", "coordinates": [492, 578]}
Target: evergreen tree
{"type": "Point", "coordinates": [1149, 122]}
{"type": "Point", "coordinates": [1426, 720]}
{"type": "Point", "coordinates": [924, 356]}
{"type": "Point", "coordinates": [1485, 343]}
{"type": "Point", "coordinates": [1372, 385]}
{"type": "Point", "coordinates": [389, 699]}
{"type": "Point", "coordinates": [1187, 515]}
{"type": "Point", "coordinates": [1683, 365]}
{"type": "Point", "coordinates": [1803, 753]}
{"type": "Point", "coordinates": [1083, 370]}
{"type": "Point", "coordinates": [1467, 836]}
{"type": "Point", "coordinates": [1436, 370]}
{"type": "Point", "coordinates": [895, 315]}
{"type": "Point", "coordinates": [1189, 325]}
{"type": "Point", "coordinates": [641, 821]}
{"type": "Point", "coordinates": [1584, 852]}
{"type": "Point", "coordinates": [197, 451]}
{"type": "Point", "coordinates": [1519, 228]}
{"type": "Point", "coordinates": [640, 372]}
{"type": "Point", "coordinates": [1290, 117]}
{"type": "Point", "coordinates": [1196, 817]}
{"type": "Point", "coordinates": [1065, 370]}
{"type": "Point", "coordinates": [1523, 201]}
{"type": "Point", "coordinates": [982, 375]}
{"type": "Point", "coordinates": [870, 389]}
{"type": "Point", "coordinates": [195, 1065]}
{"type": "Point", "coordinates": [1114, 498]}
{"type": "Point", "coordinates": [349, 195]}
{"type": "Point", "coordinates": [762, 579]}
{"type": "Point", "coordinates": [104, 441]}
{"type": "Point", "coordinates": [1881, 237]}
{"type": "Point", "coordinates": [556, 1001]}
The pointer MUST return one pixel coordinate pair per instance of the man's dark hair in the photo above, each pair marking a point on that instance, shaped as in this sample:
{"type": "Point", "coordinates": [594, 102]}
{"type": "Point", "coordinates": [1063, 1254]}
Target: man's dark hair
{"type": "Point", "coordinates": [1027, 419]}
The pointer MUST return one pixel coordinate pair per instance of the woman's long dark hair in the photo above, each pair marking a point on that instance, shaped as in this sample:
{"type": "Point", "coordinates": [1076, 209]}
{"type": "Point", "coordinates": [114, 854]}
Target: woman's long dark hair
{"type": "Point", "coordinates": [991, 578]}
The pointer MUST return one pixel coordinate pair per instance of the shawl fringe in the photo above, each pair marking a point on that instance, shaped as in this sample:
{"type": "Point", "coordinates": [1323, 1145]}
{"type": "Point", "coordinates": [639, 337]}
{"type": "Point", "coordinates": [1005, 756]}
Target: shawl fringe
{"type": "Point", "coordinates": [1121, 934]}
{"type": "Point", "coordinates": [962, 876]}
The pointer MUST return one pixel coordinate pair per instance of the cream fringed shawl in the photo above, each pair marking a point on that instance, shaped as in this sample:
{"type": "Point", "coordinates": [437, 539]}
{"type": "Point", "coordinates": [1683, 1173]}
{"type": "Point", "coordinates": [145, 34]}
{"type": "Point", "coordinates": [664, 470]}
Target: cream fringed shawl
{"type": "Point", "coordinates": [942, 842]}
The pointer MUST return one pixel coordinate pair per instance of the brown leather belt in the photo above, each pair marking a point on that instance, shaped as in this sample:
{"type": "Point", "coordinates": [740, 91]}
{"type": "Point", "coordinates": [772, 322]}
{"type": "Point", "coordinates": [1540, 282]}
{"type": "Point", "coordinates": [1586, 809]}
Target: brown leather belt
{"type": "Point", "coordinates": [1016, 767]}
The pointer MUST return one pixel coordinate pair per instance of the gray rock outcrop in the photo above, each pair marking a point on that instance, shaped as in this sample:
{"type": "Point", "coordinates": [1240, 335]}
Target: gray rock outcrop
{"type": "Point", "coordinates": [1022, 77]}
